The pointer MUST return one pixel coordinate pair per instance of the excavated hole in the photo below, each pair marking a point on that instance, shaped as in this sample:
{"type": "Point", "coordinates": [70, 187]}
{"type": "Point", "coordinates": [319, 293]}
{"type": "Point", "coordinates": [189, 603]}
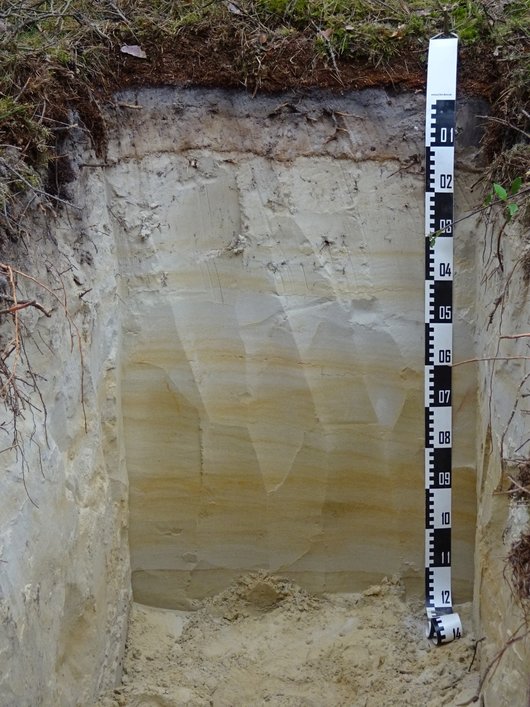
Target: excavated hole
{"type": "Point", "coordinates": [272, 396]}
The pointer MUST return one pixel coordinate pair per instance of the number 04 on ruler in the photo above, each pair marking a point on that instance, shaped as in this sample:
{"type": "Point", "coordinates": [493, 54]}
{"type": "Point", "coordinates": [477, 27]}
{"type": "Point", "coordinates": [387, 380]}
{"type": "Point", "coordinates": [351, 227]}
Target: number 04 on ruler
{"type": "Point", "coordinates": [443, 625]}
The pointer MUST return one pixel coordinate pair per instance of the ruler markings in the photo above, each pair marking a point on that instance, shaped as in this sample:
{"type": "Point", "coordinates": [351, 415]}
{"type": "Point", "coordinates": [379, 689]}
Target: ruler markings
{"type": "Point", "coordinates": [443, 623]}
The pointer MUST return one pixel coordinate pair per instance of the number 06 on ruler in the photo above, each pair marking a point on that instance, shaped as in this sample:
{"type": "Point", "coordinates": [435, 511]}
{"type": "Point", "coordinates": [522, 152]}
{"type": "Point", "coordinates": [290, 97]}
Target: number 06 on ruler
{"type": "Point", "coordinates": [443, 625]}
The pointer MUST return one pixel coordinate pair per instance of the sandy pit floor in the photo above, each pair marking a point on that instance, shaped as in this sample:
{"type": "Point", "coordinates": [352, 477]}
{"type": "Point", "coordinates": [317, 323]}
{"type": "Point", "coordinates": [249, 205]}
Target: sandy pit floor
{"type": "Point", "coordinates": [265, 641]}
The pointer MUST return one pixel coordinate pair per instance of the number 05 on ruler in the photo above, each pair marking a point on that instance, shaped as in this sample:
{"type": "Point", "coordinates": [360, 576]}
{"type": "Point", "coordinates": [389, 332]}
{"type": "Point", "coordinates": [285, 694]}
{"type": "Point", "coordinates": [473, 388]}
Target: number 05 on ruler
{"type": "Point", "coordinates": [443, 625]}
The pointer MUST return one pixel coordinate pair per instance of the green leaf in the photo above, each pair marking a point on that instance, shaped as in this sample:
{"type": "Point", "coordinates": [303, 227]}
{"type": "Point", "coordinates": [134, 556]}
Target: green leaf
{"type": "Point", "coordinates": [516, 185]}
{"type": "Point", "coordinates": [512, 210]}
{"type": "Point", "coordinates": [487, 200]}
{"type": "Point", "coordinates": [500, 191]}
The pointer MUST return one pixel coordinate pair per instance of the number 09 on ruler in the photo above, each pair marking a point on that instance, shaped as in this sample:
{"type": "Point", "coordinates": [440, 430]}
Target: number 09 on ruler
{"type": "Point", "coordinates": [443, 625]}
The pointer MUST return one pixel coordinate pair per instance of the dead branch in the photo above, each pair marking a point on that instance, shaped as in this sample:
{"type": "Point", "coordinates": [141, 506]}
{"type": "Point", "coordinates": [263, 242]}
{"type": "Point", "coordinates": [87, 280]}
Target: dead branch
{"type": "Point", "coordinates": [491, 358]}
{"type": "Point", "coordinates": [506, 123]}
{"type": "Point", "coordinates": [475, 648]}
{"type": "Point", "coordinates": [16, 390]}
{"type": "Point", "coordinates": [510, 492]}
{"type": "Point", "coordinates": [493, 664]}
{"type": "Point", "coordinates": [518, 485]}
{"type": "Point", "coordinates": [35, 189]}
{"type": "Point", "coordinates": [22, 304]}
{"type": "Point", "coordinates": [479, 210]}
{"type": "Point", "coordinates": [515, 336]}
{"type": "Point", "coordinates": [512, 415]}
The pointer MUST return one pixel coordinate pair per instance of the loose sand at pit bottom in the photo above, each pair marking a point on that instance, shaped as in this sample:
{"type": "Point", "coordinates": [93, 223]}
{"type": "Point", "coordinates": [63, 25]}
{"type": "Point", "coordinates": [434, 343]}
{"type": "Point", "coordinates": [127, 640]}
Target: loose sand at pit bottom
{"type": "Point", "coordinates": [265, 641]}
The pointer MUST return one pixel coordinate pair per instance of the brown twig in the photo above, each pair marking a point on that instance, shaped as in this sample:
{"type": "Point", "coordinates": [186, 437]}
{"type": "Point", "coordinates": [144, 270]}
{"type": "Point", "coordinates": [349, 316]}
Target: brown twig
{"type": "Point", "coordinates": [510, 492]}
{"type": "Point", "coordinates": [506, 123]}
{"type": "Point", "coordinates": [494, 663]}
{"type": "Point", "coordinates": [15, 349]}
{"type": "Point", "coordinates": [36, 190]}
{"type": "Point", "coordinates": [478, 210]}
{"type": "Point", "coordinates": [22, 304]}
{"type": "Point", "coordinates": [515, 336]}
{"type": "Point", "coordinates": [518, 485]}
{"type": "Point", "coordinates": [475, 648]}
{"type": "Point", "coordinates": [505, 432]}
{"type": "Point", "coordinates": [16, 345]}
{"type": "Point", "coordinates": [491, 358]}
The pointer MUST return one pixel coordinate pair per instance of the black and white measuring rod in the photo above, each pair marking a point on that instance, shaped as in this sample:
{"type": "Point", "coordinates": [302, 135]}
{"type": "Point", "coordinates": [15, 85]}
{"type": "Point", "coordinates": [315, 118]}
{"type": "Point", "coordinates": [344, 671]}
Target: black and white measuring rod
{"type": "Point", "coordinates": [443, 624]}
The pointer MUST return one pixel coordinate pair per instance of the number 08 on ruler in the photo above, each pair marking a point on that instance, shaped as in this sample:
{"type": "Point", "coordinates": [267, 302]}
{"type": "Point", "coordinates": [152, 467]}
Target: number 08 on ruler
{"type": "Point", "coordinates": [443, 625]}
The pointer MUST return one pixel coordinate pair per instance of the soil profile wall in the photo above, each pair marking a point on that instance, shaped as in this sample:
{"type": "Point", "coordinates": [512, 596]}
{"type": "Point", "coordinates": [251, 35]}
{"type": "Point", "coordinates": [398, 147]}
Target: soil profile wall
{"type": "Point", "coordinates": [251, 311]}
{"type": "Point", "coordinates": [271, 253]}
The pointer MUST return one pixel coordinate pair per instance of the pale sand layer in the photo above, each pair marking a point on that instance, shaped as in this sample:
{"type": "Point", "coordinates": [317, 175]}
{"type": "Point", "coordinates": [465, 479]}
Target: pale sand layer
{"type": "Point", "coordinates": [272, 343]}
{"type": "Point", "coordinates": [265, 641]}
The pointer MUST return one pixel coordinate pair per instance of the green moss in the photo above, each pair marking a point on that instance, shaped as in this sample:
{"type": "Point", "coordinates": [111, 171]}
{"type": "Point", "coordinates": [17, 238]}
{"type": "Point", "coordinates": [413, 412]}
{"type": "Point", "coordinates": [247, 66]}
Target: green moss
{"type": "Point", "coordinates": [60, 54]}
{"type": "Point", "coordinates": [9, 108]}
{"type": "Point", "coordinates": [470, 22]}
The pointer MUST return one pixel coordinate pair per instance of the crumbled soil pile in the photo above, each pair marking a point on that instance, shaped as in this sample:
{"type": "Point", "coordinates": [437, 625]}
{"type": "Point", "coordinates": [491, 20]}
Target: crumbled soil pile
{"type": "Point", "coordinates": [265, 641]}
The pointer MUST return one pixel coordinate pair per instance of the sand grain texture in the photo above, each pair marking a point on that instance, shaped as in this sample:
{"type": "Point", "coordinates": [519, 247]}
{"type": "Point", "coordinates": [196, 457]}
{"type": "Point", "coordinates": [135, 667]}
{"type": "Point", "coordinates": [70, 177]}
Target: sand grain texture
{"type": "Point", "coordinates": [265, 641]}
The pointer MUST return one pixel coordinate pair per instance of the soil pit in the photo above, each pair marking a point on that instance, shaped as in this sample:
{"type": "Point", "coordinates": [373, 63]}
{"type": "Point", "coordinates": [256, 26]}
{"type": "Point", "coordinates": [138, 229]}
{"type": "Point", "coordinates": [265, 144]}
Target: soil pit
{"type": "Point", "coordinates": [266, 641]}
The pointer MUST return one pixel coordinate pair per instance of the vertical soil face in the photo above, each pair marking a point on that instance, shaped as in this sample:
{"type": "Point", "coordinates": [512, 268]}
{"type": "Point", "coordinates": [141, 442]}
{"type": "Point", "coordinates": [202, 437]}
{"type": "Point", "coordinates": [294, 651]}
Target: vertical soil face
{"type": "Point", "coordinates": [271, 256]}
{"type": "Point", "coordinates": [246, 279]}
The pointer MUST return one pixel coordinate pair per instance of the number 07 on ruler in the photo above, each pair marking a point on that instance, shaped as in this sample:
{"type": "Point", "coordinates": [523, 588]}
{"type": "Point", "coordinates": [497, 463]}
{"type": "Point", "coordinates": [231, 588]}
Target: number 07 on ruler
{"type": "Point", "coordinates": [443, 625]}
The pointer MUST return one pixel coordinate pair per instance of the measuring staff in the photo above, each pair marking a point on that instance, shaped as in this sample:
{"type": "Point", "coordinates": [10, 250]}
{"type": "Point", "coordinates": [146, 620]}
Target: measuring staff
{"type": "Point", "coordinates": [443, 624]}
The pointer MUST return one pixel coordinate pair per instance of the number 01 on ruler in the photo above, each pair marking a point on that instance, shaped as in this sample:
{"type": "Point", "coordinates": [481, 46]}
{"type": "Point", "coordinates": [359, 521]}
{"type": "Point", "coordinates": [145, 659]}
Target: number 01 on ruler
{"type": "Point", "coordinates": [443, 625]}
